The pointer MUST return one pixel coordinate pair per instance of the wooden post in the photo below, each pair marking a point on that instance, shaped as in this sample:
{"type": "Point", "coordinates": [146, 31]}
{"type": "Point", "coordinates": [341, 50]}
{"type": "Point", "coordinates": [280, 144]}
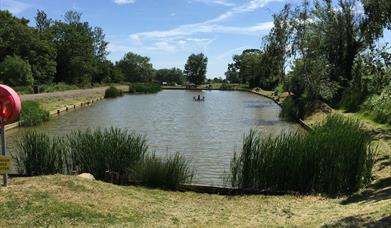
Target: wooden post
{"type": "Point", "coordinates": [3, 152]}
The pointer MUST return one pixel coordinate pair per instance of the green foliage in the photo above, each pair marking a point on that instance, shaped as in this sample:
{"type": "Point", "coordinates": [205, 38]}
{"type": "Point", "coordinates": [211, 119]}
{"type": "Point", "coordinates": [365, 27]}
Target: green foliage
{"type": "Point", "coordinates": [14, 71]}
{"type": "Point", "coordinates": [98, 151]}
{"type": "Point", "coordinates": [195, 68]}
{"type": "Point", "coordinates": [291, 109]}
{"type": "Point", "coordinates": [113, 92]}
{"type": "Point", "coordinates": [226, 86]}
{"type": "Point", "coordinates": [49, 88]}
{"type": "Point", "coordinates": [135, 68]}
{"type": "Point", "coordinates": [18, 39]}
{"type": "Point", "coordinates": [111, 149]}
{"type": "Point", "coordinates": [144, 88]}
{"type": "Point", "coordinates": [32, 114]}
{"type": "Point", "coordinates": [170, 76]}
{"type": "Point", "coordinates": [379, 106]}
{"type": "Point", "coordinates": [335, 158]}
{"type": "Point", "coordinates": [166, 173]}
{"type": "Point", "coordinates": [37, 154]}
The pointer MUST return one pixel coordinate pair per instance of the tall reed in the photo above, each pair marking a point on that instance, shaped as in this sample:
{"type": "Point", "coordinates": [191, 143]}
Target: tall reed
{"type": "Point", "coordinates": [334, 158]}
{"type": "Point", "coordinates": [37, 154]}
{"type": "Point", "coordinates": [98, 151]}
{"type": "Point", "coordinates": [113, 149]}
{"type": "Point", "coordinates": [168, 173]}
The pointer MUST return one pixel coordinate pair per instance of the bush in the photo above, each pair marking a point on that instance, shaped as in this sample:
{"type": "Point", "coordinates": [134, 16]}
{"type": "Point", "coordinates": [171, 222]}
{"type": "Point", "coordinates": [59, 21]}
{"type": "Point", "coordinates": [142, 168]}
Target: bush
{"type": "Point", "coordinates": [379, 106]}
{"type": "Point", "coordinates": [226, 86]}
{"type": "Point", "coordinates": [334, 158]}
{"type": "Point", "coordinates": [14, 71]}
{"type": "Point", "coordinates": [111, 149]}
{"type": "Point", "coordinates": [113, 92]}
{"type": "Point", "coordinates": [352, 99]}
{"type": "Point", "coordinates": [37, 154]}
{"type": "Point", "coordinates": [290, 109]}
{"type": "Point", "coordinates": [168, 173]}
{"type": "Point", "coordinates": [32, 114]}
{"type": "Point", "coordinates": [144, 88]}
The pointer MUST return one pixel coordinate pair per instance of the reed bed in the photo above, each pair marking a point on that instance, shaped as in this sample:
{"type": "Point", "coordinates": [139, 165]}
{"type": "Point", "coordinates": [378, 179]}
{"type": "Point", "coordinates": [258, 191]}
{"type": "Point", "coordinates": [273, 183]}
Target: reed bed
{"type": "Point", "coordinates": [37, 154]}
{"type": "Point", "coordinates": [335, 158]}
{"type": "Point", "coordinates": [96, 152]}
{"type": "Point", "coordinates": [168, 173]}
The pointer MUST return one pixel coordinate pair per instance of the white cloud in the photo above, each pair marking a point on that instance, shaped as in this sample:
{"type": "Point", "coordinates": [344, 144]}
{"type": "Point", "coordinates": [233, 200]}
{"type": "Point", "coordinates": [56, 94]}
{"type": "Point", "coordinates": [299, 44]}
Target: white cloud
{"type": "Point", "coordinates": [15, 7]}
{"type": "Point", "coordinates": [244, 8]}
{"type": "Point", "coordinates": [215, 2]}
{"type": "Point", "coordinates": [124, 2]}
{"type": "Point", "coordinates": [192, 29]}
{"type": "Point", "coordinates": [226, 56]}
{"type": "Point", "coordinates": [188, 36]}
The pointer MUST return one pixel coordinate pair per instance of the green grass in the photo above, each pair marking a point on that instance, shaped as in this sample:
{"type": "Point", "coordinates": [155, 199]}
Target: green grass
{"type": "Point", "coordinates": [55, 87]}
{"type": "Point", "coordinates": [68, 201]}
{"type": "Point", "coordinates": [168, 173]}
{"type": "Point", "coordinates": [144, 88]}
{"type": "Point", "coordinates": [32, 114]}
{"type": "Point", "coordinates": [113, 92]}
{"type": "Point", "coordinates": [335, 158]}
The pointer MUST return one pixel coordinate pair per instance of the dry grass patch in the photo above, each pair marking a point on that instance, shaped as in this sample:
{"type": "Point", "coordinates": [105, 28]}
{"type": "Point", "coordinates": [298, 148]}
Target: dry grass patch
{"type": "Point", "coordinates": [72, 201]}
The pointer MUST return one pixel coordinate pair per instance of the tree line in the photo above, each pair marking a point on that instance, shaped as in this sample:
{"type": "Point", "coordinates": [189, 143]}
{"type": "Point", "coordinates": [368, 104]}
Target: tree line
{"type": "Point", "coordinates": [74, 52]}
{"type": "Point", "coordinates": [322, 50]}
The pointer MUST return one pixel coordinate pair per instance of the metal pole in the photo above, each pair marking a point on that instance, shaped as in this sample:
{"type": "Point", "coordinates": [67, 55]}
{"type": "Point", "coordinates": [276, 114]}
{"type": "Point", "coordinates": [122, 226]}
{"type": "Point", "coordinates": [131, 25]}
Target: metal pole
{"type": "Point", "coordinates": [3, 152]}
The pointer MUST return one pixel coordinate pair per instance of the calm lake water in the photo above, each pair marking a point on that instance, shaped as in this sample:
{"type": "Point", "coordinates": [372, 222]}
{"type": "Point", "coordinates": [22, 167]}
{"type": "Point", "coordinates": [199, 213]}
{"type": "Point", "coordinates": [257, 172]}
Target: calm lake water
{"type": "Point", "coordinates": [207, 132]}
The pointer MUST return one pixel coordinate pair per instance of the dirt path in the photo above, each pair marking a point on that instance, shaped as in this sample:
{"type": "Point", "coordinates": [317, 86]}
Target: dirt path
{"type": "Point", "coordinates": [68, 93]}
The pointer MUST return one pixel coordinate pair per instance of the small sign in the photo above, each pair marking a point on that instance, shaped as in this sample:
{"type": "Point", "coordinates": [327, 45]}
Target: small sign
{"type": "Point", "coordinates": [5, 164]}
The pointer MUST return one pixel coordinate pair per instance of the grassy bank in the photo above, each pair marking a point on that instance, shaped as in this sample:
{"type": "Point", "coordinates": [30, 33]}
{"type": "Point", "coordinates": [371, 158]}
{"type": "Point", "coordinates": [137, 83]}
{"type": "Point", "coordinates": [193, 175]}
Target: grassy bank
{"type": "Point", "coordinates": [71, 201]}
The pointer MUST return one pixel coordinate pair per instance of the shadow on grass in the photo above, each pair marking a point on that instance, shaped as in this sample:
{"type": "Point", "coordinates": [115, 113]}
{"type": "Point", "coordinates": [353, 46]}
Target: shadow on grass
{"type": "Point", "coordinates": [352, 221]}
{"type": "Point", "coordinates": [378, 191]}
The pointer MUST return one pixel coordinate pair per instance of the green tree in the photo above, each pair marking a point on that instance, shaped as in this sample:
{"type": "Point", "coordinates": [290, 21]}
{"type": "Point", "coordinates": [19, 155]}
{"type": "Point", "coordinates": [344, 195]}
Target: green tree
{"type": "Point", "coordinates": [195, 68]}
{"type": "Point", "coordinates": [79, 49]}
{"type": "Point", "coordinates": [17, 38]}
{"type": "Point", "coordinates": [173, 75]}
{"type": "Point", "coordinates": [14, 71]}
{"type": "Point", "coordinates": [232, 74]}
{"type": "Point", "coordinates": [135, 68]}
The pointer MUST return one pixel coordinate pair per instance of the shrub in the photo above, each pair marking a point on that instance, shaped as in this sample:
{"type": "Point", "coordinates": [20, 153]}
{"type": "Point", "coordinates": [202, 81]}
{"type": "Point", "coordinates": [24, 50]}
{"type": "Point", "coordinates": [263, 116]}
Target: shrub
{"type": "Point", "coordinates": [37, 154]}
{"type": "Point", "coordinates": [168, 173]}
{"type": "Point", "coordinates": [144, 88]}
{"type": "Point", "coordinates": [32, 114]}
{"type": "Point", "coordinates": [379, 106]}
{"type": "Point", "coordinates": [14, 71]}
{"type": "Point", "coordinates": [111, 149]}
{"type": "Point", "coordinates": [352, 99]}
{"type": "Point", "coordinates": [290, 109]}
{"type": "Point", "coordinates": [112, 92]}
{"type": "Point", "coordinates": [226, 86]}
{"type": "Point", "coordinates": [334, 158]}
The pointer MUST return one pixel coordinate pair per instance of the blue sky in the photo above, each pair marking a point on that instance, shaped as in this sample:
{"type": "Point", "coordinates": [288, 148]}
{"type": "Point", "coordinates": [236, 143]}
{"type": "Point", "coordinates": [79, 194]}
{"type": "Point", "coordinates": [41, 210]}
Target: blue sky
{"type": "Point", "coordinates": [168, 31]}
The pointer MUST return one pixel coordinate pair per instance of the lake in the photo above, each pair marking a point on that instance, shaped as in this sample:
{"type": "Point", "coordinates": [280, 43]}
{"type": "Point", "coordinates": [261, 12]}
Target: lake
{"type": "Point", "coordinates": [207, 133]}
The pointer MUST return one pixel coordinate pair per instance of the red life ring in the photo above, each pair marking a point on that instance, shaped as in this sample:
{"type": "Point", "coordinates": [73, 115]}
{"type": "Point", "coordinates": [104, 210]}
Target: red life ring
{"type": "Point", "coordinates": [10, 105]}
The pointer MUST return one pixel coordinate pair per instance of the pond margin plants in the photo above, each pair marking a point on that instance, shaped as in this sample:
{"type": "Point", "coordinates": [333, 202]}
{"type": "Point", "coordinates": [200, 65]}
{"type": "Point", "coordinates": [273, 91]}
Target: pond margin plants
{"type": "Point", "coordinates": [334, 158]}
